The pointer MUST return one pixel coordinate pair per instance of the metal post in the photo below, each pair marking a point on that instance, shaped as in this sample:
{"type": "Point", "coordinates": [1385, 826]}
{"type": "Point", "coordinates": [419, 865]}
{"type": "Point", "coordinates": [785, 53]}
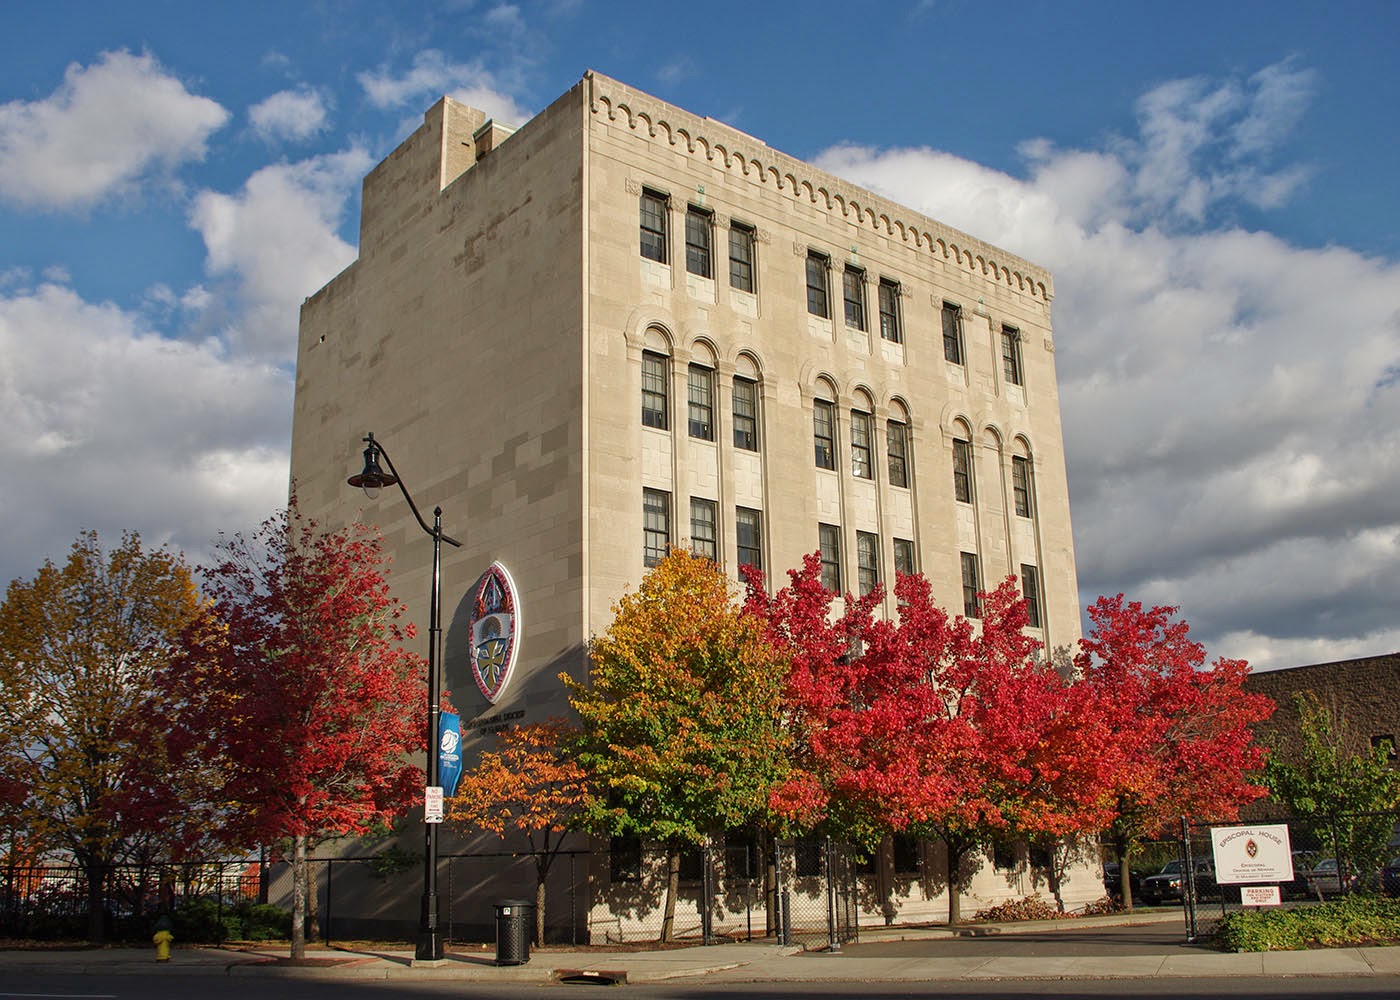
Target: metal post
{"type": "Point", "coordinates": [707, 893]}
{"type": "Point", "coordinates": [429, 936]}
{"type": "Point", "coordinates": [831, 939]}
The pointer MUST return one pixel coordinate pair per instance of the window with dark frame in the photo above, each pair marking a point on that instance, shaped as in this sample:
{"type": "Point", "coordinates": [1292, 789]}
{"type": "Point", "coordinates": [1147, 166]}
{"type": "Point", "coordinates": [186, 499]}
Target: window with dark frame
{"type": "Point", "coordinates": [906, 854]}
{"type": "Point", "coordinates": [904, 556]}
{"type": "Point", "coordinates": [888, 293]}
{"type": "Point", "coordinates": [1021, 486]}
{"type": "Point", "coordinates": [818, 299]}
{"type": "Point", "coordinates": [656, 370]}
{"type": "Point", "coordinates": [656, 526]}
{"type": "Point", "coordinates": [703, 533]}
{"type": "Point", "coordinates": [745, 414]}
{"type": "Point", "coordinates": [853, 295]}
{"type": "Point", "coordinates": [867, 561]}
{"type": "Point", "coordinates": [1030, 590]}
{"type": "Point", "coordinates": [952, 333]}
{"type": "Point", "coordinates": [824, 433]}
{"type": "Point", "coordinates": [741, 241]}
{"type": "Point", "coordinates": [748, 534]}
{"type": "Point", "coordinates": [1386, 741]}
{"type": "Point", "coordinates": [625, 859]}
{"type": "Point", "coordinates": [654, 212]}
{"type": "Point", "coordinates": [829, 545]}
{"type": "Point", "coordinates": [699, 236]}
{"type": "Point", "coordinates": [897, 452]}
{"type": "Point", "coordinates": [862, 462]}
{"type": "Point", "coordinates": [971, 585]}
{"type": "Point", "coordinates": [700, 402]}
{"type": "Point", "coordinates": [962, 470]}
{"type": "Point", "coordinates": [1011, 354]}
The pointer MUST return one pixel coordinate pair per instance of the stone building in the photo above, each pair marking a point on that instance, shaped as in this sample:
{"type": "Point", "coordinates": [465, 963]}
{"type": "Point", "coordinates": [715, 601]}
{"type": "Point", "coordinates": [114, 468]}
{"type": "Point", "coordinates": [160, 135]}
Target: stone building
{"type": "Point", "coordinates": [1364, 693]}
{"type": "Point", "coordinates": [623, 326]}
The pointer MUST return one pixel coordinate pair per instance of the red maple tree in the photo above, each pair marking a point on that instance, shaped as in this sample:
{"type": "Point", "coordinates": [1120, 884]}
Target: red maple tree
{"type": "Point", "coordinates": [300, 686]}
{"type": "Point", "coordinates": [1181, 733]}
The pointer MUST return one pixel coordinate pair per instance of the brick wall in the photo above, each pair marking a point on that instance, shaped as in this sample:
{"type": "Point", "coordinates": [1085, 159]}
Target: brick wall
{"type": "Point", "coordinates": [1365, 693]}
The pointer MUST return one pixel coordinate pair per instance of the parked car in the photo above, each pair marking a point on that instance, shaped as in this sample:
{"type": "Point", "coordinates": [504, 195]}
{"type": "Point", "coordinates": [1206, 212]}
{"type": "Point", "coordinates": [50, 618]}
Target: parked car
{"type": "Point", "coordinates": [1325, 880]}
{"type": "Point", "coordinates": [1390, 878]}
{"type": "Point", "coordinates": [1167, 885]}
{"type": "Point", "coordinates": [1298, 887]}
{"type": "Point", "coordinates": [1113, 880]}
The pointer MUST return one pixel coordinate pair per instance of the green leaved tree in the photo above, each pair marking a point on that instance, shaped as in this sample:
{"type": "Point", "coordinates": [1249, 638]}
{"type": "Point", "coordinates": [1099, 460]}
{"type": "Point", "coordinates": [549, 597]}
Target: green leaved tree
{"type": "Point", "coordinates": [681, 732]}
{"type": "Point", "coordinates": [1354, 793]}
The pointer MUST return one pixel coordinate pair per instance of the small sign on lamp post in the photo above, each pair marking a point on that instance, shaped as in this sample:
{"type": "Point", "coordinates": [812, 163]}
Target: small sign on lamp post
{"type": "Point", "coordinates": [432, 804]}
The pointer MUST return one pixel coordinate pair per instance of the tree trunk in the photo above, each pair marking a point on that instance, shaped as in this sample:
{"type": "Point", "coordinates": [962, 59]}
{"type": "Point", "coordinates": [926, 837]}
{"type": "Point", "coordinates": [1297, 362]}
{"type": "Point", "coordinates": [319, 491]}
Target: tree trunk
{"type": "Point", "coordinates": [954, 889]}
{"type": "Point", "coordinates": [770, 883]}
{"type": "Point", "coordinates": [313, 923]}
{"type": "Point", "coordinates": [673, 889]}
{"type": "Point", "coordinates": [541, 873]}
{"type": "Point", "coordinates": [299, 896]}
{"type": "Point", "coordinates": [1125, 879]}
{"type": "Point", "coordinates": [94, 871]}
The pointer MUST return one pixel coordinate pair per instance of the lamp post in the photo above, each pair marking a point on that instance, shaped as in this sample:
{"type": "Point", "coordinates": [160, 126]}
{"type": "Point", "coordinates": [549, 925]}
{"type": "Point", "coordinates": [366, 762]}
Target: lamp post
{"type": "Point", "coordinates": [371, 480]}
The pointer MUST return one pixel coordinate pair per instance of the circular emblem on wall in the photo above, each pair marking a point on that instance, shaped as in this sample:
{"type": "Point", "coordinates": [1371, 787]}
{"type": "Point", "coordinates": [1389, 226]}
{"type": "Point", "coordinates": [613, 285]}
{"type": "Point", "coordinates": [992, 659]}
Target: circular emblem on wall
{"type": "Point", "coordinates": [494, 631]}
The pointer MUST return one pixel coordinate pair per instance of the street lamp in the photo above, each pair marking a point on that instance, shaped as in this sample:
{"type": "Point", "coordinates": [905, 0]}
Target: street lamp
{"type": "Point", "coordinates": [371, 480]}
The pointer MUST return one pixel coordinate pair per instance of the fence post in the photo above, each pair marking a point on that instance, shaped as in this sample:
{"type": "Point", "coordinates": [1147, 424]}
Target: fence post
{"type": "Point", "coordinates": [781, 904]}
{"type": "Point", "coordinates": [832, 942]}
{"type": "Point", "coordinates": [707, 892]}
{"type": "Point", "coordinates": [1188, 879]}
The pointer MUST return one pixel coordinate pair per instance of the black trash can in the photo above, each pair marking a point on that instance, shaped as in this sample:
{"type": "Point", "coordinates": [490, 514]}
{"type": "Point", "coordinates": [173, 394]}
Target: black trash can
{"type": "Point", "coordinates": [513, 920]}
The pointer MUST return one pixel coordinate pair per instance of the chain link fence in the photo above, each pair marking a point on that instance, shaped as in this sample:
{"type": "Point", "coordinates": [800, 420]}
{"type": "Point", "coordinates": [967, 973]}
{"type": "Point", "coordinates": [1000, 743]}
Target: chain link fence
{"type": "Point", "coordinates": [1332, 857]}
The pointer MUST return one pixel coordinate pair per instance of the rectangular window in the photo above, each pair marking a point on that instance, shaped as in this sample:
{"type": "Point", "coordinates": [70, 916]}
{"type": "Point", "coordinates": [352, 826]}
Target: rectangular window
{"type": "Point", "coordinates": [655, 377]}
{"type": "Point", "coordinates": [700, 401]}
{"type": "Point", "coordinates": [1011, 354]}
{"type": "Point", "coordinates": [745, 414]}
{"type": "Point", "coordinates": [699, 225]}
{"type": "Point", "coordinates": [1030, 590]}
{"type": "Point", "coordinates": [971, 585]}
{"type": "Point", "coordinates": [897, 452]}
{"type": "Point", "coordinates": [656, 526]}
{"type": "Point", "coordinates": [654, 211]}
{"type": "Point", "coordinates": [952, 333]}
{"type": "Point", "coordinates": [904, 556]}
{"type": "Point", "coordinates": [702, 529]}
{"type": "Point", "coordinates": [748, 533]}
{"type": "Point", "coordinates": [889, 311]}
{"type": "Point", "coordinates": [818, 264]}
{"type": "Point", "coordinates": [853, 293]}
{"type": "Point", "coordinates": [625, 859]}
{"type": "Point", "coordinates": [862, 466]}
{"type": "Point", "coordinates": [829, 543]}
{"type": "Point", "coordinates": [824, 433]}
{"type": "Point", "coordinates": [867, 561]}
{"type": "Point", "coordinates": [906, 854]}
{"type": "Point", "coordinates": [1021, 485]}
{"type": "Point", "coordinates": [741, 256]}
{"type": "Point", "coordinates": [962, 470]}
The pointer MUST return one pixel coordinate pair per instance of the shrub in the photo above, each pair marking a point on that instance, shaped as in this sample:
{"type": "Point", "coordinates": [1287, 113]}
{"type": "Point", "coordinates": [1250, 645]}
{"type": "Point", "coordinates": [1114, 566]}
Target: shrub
{"type": "Point", "coordinates": [1106, 904]}
{"type": "Point", "coordinates": [200, 920]}
{"type": "Point", "coordinates": [1355, 920]}
{"type": "Point", "coordinates": [265, 922]}
{"type": "Point", "coordinates": [1030, 907]}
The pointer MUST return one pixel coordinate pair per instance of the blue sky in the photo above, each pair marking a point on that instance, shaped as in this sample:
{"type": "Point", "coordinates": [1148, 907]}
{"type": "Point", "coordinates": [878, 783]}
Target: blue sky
{"type": "Point", "coordinates": [1213, 186]}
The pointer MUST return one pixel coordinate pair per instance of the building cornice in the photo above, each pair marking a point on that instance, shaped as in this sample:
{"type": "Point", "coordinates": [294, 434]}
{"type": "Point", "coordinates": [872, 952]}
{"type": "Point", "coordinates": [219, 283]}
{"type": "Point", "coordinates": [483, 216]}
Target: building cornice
{"type": "Point", "coordinates": [732, 150]}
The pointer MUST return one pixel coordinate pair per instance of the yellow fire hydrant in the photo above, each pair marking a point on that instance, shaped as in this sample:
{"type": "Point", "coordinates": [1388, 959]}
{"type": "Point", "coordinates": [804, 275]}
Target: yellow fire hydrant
{"type": "Point", "coordinates": [162, 938]}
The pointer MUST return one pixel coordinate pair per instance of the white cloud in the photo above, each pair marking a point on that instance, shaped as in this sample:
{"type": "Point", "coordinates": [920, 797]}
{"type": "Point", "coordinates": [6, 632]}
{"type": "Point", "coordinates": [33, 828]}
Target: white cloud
{"type": "Point", "coordinates": [433, 75]}
{"type": "Point", "coordinates": [274, 243]}
{"type": "Point", "coordinates": [1231, 406]}
{"type": "Point", "coordinates": [293, 115]}
{"type": "Point", "coordinates": [107, 128]}
{"type": "Point", "coordinates": [131, 431]}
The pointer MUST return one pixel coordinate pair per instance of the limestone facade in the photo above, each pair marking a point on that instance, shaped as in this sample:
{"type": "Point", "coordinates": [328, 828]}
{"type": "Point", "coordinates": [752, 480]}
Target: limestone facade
{"type": "Point", "coordinates": [522, 297]}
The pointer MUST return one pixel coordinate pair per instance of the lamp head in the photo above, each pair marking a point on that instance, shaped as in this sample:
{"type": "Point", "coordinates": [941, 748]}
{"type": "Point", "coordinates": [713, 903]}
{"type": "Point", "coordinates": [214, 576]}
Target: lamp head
{"type": "Point", "coordinates": [373, 478]}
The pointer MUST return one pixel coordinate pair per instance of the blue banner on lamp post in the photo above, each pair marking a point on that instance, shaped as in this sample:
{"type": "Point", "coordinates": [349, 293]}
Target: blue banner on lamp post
{"type": "Point", "coordinates": [450, 753]}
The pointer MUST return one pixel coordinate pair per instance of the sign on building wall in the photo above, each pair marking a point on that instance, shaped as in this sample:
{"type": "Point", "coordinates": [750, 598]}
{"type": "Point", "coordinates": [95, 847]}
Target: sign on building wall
{"type": "Point", "coordinates": [494, 632]}
{"type": "Point", "coordinates": [1251, 854]}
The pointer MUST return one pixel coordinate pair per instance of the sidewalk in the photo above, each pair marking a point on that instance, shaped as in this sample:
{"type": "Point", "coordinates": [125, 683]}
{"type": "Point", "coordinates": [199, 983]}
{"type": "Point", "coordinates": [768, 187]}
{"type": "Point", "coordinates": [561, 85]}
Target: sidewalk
{"type": "Point", "coordinates": [744, 962]}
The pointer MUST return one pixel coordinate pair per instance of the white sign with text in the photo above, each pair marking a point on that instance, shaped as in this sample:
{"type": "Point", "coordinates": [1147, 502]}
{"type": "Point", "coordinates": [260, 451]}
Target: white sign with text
{"type": "Point", "coordinates": [1252, 854]}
